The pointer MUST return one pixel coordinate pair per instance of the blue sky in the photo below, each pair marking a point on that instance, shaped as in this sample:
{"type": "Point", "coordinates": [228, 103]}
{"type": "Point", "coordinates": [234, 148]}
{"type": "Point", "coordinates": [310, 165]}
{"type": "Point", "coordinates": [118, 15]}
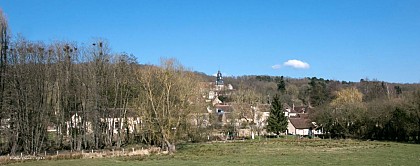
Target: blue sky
{"type": "Point", "coordinates": [338, 39]}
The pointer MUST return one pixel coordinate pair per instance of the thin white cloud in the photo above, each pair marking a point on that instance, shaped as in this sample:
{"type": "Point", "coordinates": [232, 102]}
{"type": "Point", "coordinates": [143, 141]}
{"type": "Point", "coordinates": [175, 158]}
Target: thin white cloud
{"type": "Point", "coordinates": [276, 66]}
{"type": "Point", "coordinates": [296, 64]}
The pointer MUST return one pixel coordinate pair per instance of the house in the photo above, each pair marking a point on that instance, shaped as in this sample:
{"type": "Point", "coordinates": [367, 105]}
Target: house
{"type": "Point", "coordinates": [294, 111]}
{"type": "Point", "coordinates": [223, 113]}
{"type": "Point", "coordinates": [261, 114]}
{"type": "Point", "coordinates": [212, 95]}
{"type": "Point", "coordinates": [301, 125]}
{"type": "Point", "coordinates": [114, 119]}
{"type": "Point", "coordinates": [216, 101]}
{"type": "Point", "coordinates": [229, 87]}
{"type": "Point", "coordinates": [75, 122]}
{"type": "Point", "coordinates": [200, 119]}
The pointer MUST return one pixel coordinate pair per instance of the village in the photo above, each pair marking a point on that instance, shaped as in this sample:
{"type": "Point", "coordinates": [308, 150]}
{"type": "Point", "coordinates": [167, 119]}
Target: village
{"type": "Point", "coordinates": [297, 117]}
{"type": "Point", "coordinates": [250, 122]}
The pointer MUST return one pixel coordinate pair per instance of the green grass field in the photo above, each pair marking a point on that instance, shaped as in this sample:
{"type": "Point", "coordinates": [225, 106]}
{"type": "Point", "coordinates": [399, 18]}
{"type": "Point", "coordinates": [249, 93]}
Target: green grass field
{"type": "Point", "coordinates": [270, 152]}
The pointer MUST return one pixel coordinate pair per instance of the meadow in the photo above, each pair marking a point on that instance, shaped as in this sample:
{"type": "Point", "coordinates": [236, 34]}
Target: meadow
{"type": "Point", "coordinates": [267, 152]}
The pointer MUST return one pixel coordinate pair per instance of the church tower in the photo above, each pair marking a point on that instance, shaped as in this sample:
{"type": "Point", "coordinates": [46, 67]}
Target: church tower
{"type": "Point", "coordinates": [219, 78]}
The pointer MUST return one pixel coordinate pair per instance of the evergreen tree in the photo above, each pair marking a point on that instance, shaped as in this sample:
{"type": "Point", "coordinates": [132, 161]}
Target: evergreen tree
{"type": "Point", "coordinates": [398, 90]}
{"type": "Point", "coordinates": [277, 122]}
{"type": "Point", "coordinates": [281, 85]}
{"type": "Point", "coordinates": [318, 92]}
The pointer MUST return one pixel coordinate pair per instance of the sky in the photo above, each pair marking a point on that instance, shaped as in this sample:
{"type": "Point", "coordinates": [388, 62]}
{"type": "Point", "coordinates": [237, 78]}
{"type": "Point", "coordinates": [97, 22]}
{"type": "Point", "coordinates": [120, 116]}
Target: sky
{"type": "Point", "coordinates": [345, 40]}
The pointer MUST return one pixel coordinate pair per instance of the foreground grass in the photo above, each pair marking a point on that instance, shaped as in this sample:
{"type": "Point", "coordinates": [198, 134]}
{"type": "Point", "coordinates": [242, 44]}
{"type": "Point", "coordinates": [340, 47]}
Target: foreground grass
{"type": "Point", "coordinates": [271, 152]}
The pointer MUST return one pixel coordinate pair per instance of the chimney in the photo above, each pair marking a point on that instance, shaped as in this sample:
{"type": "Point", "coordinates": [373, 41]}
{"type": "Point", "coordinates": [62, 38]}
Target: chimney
{"type": "Point", "coordinates": [293, 107]}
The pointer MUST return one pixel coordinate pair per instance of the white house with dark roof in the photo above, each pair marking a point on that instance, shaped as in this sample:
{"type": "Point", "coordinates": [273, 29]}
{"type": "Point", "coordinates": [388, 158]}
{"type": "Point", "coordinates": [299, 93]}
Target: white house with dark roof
{"type": "Point", "coordinates": [300, 126]}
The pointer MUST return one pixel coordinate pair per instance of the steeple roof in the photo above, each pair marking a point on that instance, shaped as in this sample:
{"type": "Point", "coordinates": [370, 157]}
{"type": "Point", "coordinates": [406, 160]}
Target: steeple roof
{"type": "Point", "coordinates": [219, 78]}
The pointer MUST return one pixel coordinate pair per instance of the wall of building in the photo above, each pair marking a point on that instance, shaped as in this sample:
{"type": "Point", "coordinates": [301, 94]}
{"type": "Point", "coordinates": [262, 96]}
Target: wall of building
{"type": "Point", "coordinates": [290, 128]}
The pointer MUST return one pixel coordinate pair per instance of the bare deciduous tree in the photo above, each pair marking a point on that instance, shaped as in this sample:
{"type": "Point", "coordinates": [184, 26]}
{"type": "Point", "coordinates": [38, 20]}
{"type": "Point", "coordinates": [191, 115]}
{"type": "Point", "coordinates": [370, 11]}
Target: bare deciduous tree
{"type": "Point", "coordinates": [169, 94]}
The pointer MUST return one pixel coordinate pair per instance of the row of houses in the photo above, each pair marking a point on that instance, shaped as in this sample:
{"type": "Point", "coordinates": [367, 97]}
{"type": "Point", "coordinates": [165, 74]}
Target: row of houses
{"type": "Point", "coordinates": [113, 119]}
{"type": "Point", "coordinates": [299, 122]}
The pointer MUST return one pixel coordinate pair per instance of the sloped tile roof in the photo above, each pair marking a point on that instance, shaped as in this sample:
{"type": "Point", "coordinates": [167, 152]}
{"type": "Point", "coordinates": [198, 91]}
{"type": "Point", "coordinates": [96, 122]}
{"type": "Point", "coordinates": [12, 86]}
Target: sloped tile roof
{"type": "Point", "coordinates": [301, 123]}
{"type": "Point", "coordinates": [225, 108]}
{"type": "Point", "coordinates": [301, 110]}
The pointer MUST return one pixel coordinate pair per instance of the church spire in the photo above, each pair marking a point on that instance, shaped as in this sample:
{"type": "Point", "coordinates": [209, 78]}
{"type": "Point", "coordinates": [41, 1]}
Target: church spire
{"type": "Point", "coordinates": [219, 78]}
